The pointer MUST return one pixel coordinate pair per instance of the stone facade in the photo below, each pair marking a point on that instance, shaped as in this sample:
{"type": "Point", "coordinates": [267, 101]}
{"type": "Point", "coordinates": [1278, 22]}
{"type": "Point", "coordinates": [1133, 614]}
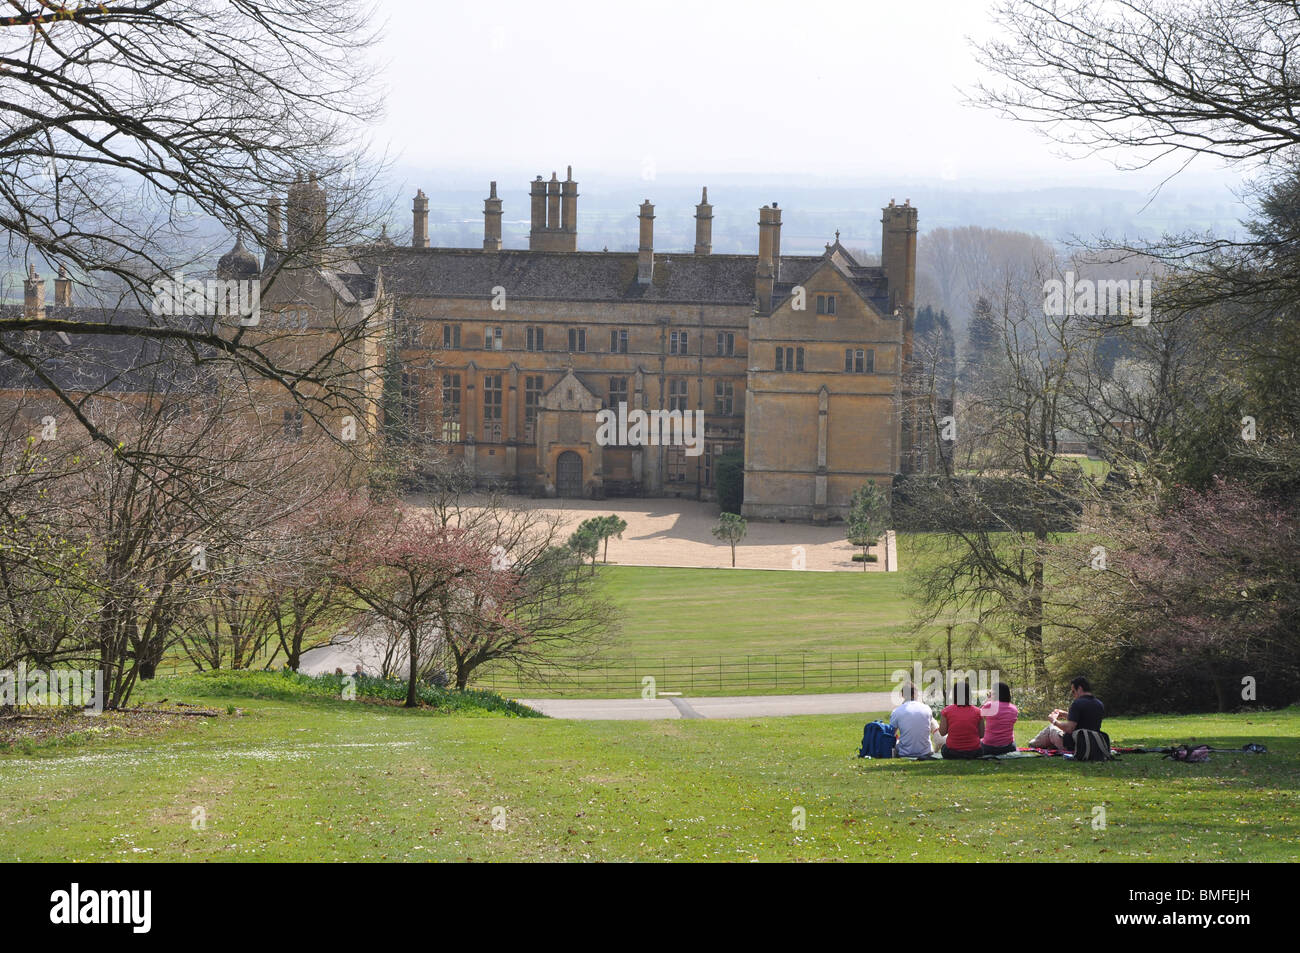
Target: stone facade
{"type": "Point", "coordinates": [508, 355]}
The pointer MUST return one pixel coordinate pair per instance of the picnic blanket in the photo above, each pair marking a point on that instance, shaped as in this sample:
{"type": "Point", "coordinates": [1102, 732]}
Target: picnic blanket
{"type": "Point", "coordinates": [1028, 752]}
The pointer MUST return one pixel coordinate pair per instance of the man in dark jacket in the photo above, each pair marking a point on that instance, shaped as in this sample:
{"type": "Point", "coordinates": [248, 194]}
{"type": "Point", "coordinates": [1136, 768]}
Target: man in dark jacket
{"type": "Point", "coordinates": [1086, 712]}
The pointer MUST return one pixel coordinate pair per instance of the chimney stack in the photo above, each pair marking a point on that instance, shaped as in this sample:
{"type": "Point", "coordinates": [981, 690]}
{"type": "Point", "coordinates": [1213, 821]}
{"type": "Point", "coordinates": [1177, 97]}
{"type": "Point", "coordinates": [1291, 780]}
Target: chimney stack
{"type": "Point", "coordinates": [898, 253]}
{"type": "Point", "coordinates": [645, 256]}
{"type": "Point", "coordinates": [898, 260]}
{"type": "Point", "coordinates": [307, 216]}
{"type": "Point", "coordinates": [273, 247]}
{"type": "Point", "coordinates": [537, 233]}
{"type": "Point", "coordinates": [555, 214]}
{"type": "Point", "coordinates": [492, 221]}
{"type": "Point", "coordinates": [34, 295]}
{"type": "Point", "coordinates": [553, 203]}
{"type": "Point", "coordinates": [765, 272]}
{"type": "Point", "coordinates": [704, 225]}
{"type": "Point", "coordinates": [776, 243]}
{"type": "Point", "coordinates": [63, 289]}
{"type": "Point", "coordinates": [569, 196]}
{"type": "Point", "coordinates": [420, 220]}
{"type": "Point", "coordinates": [274, 236]}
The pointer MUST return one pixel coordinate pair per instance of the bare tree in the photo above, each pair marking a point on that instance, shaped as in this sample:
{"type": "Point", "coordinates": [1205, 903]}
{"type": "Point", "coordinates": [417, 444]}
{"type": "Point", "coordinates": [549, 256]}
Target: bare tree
{"type": "Point", "coordinates": [1004, 493]}
{"type": "Point", "coordinates": [126, 126]}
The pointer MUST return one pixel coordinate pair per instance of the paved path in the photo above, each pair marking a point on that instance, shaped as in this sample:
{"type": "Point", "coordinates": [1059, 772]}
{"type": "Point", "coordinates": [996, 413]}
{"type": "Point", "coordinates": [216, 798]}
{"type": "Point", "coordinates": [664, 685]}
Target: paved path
{"type": "Point", "coordinates": [673, 532]}
{"type": "Point", "coordinates": [740, 706]}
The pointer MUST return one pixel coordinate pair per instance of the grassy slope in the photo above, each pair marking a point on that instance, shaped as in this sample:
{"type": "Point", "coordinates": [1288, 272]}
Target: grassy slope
{"type": "Point", "coordinates": [714, 611]}
{"type": "Point", "coordinates": [315, 779]}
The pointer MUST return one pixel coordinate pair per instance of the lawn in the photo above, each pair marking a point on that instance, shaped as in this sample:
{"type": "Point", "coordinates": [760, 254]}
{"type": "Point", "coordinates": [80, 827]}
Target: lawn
{"type": "Point", "coordinates": [754, 611]}
{"type": "Point", "coordinates": [715, 632]}
{"type": "Point", "coordinates": [320, 779]}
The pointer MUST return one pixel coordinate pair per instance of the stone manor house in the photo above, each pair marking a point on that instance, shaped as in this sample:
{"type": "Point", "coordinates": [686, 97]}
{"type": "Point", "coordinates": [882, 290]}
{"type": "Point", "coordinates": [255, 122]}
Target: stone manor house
{"type": "Point", "coordinates": [507, 355]}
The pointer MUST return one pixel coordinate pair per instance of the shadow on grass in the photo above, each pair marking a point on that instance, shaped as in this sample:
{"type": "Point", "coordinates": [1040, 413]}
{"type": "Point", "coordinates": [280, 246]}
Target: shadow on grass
{"type": "Point", "coordinates": [330, 692]}
{"type": "Point", "coordinates": [1276, 769]}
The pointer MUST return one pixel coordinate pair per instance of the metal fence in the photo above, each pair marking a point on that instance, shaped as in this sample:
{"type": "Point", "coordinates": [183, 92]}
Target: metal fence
{"type": "Point", "coordinates": [711, 675]}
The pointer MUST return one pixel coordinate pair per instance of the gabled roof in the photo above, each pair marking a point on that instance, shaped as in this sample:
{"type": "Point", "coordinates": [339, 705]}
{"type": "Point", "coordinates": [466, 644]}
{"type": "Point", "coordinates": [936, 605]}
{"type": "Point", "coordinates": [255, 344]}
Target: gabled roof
{"type": "Point", "coordinates": [557, 397]}
{"type": "Point", "coordinates": [869, 283]}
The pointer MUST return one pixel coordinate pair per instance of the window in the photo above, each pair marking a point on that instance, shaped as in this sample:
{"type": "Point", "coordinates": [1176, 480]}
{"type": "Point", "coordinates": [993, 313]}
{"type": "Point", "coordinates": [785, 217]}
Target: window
{"type": "Point", "coordinates": [293, 423]}
{"type": "Point", "coordinates": [677, 343]}
{"type": "Point", "coordinates": [789, 358]}
{"type": "Point", "coordinates": [451, 335]}
{"type": "Point", "coordinates": [410, 334]}
{"type": "Point", "coordinates": [535, 339]}
{"type": "Point", "coordinates": [711, 453]}
{"type": "Point", "coordinates": [492, 339]}
{"type": "Point", "coordinates": [826, 304]}
{"type": "Point", "coordinates": [724, 397]}
{"type": "Point", "coordinates": [577, 339]}
{"type": "Point", "coordinates": [410, 402]}
{"type": "Point", "coordinates": [492, 407]}
{"type": "Point", "coordinates": [859, 361]}
{"type": "Point", "coordinates": [617, 392]}
{"type": "Point", "coordinates": [532, 397]}
{"type": "Point", "coordinates": [451, 408]}
{"type": "Point", "coordinates": [726, 343]}
{"type": "Point", "coordinates": [676, 464]}
{"type": "Point", "coordinates": [618, 341]}
{"type": "Point", "coordinates": [677, 393]}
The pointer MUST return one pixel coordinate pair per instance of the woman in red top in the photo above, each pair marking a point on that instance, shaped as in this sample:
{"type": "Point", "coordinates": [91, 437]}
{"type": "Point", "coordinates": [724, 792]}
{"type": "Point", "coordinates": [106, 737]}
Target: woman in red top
{"type": "Point", "coordinates": [962, 723]}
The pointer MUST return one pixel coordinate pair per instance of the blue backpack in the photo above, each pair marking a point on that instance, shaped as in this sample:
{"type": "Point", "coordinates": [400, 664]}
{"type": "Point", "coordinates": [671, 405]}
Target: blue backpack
{"type": "Point", "coordinates": [877, 740]}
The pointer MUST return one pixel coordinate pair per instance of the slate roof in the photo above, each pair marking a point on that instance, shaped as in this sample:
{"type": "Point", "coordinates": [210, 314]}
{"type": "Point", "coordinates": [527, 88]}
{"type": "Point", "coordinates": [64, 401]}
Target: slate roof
{"type": "Point", "coordinates": [94, 363]}
{"type": "Point", "coordinates": [588, 276]}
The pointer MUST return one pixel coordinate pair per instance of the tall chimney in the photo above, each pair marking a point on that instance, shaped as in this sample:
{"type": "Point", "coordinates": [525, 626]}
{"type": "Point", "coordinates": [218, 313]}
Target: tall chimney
{"type": "Point", "coordinates": [764, 273]}
{"type": "Point", "coordinates": [536, 234]}
{"type": "Point", "coordinates": [704, 225]}
{"type": "Point", "coordinates": [553, 203]}
{"type": "Point", "coordinates": [898, 253]}
{"type": "Point", "coordinates": [34, 295]}
{"type": "Point", "coordinates": [569, 197]}
{"type": "Point", "coordinates": [645, 256]}
{"type": "Point", "coordinates": [492, 221]}
{"type": "Point", "coordinates": [63, 289]}
{"type": "Point", "coordinates": [420, 220]}
{"type": "Point", "coordinates": [274, 235]}
{"type": "Point", "coordinates": [776, 243]}
{"type": "Point", "coordinates": [307, 218]}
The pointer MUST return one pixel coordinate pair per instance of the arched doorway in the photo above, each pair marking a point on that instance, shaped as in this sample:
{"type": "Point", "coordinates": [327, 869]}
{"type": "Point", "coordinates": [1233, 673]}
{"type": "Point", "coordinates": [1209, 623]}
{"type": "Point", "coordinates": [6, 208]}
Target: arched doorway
{"type": "Point", "coordinates": [568, 474]}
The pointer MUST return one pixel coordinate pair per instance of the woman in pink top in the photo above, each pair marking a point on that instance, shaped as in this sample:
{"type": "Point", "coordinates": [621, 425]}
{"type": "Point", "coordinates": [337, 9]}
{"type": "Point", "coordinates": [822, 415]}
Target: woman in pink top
{"type": "Point", "coordinates": [999, 721]}
{"type": "Point", "coordinates": [962, 724]}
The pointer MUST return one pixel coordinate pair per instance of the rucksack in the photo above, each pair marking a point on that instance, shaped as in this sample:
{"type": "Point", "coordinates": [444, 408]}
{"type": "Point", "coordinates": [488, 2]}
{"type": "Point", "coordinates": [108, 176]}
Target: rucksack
{"type": "Point", "coordinates": [1091, 745]}
{"type": "Point", "coordinates": [877, 740]}
{"type": "Point", "coordinates": [1190, 753]}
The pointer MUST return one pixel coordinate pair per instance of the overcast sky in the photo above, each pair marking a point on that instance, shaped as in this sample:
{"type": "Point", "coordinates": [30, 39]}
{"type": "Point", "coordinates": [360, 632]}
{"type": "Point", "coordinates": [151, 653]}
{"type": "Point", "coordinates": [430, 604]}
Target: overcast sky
{"type": "Point", "coordinates": [840, 89]}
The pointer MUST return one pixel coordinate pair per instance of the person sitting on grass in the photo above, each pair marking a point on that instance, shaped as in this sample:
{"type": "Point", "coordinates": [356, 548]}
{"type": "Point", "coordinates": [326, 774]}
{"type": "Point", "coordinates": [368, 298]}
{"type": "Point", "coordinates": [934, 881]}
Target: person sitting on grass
{"type": "Point", "coordinates": [961, 723]}
{"type": "Point", "coordinates": [912, 722]}
{"type": "Point", "coordinates": [999, 721]}
{"type": "Point", "coordinates": [1086, 712]}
